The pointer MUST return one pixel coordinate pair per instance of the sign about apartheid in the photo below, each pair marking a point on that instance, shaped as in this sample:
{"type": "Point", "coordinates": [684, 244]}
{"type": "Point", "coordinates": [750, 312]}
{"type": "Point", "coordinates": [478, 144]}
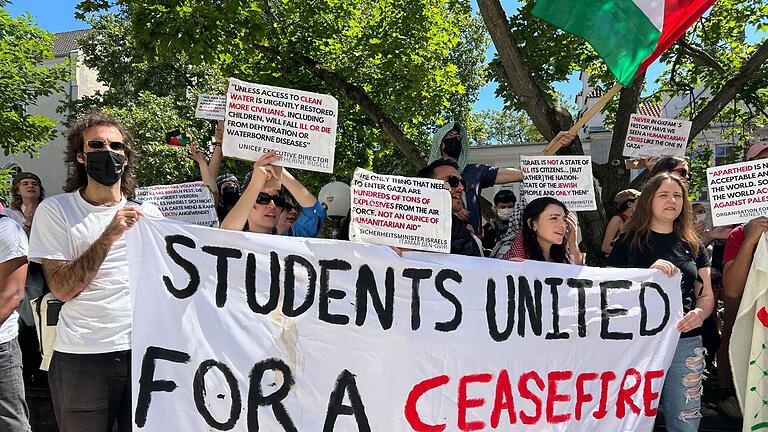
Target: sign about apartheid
{"type": "Point", "coordinates": [567, 178]}
{"type": "Point", "coordinates": [738, 192]}
{"type": "Point", "coordinates": [299, 126]}
{"type": "Point", "coordinates": [211, 107]}
{"type": "Point", "coordinates": [242, 331]}
{"type": "Point", "coordinates": [187, 202]}
{"type": "Point", "coordinates": [407, 212]}
{"type": "Point", "coordinates": [654, 137]}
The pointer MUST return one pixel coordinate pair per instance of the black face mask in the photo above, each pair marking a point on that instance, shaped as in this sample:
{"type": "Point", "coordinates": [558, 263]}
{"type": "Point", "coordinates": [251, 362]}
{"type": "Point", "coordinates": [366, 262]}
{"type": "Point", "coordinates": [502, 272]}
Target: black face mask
{"type": "Point", "coordinates": [452, 147]}
{"type": "Point", "coordinates": [105, 167]}
{"type": "Point", "coordinates": [229, 196]}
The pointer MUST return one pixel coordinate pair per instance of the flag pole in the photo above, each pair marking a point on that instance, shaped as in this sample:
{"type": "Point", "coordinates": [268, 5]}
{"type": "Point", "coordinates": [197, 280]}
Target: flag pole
{"type": "Point", "coordinates": [596, 108]}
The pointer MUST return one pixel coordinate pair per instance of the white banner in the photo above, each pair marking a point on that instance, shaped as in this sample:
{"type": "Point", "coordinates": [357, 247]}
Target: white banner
{"type": "Point", "coordinates": [654, 137]}
{"type": "Point", "coordinates": [567, 178]}
{"type": "Point", "coordinates": [407, 212]}
{"type": "Point", "coordinates": [240, 331]}
{"type": "Point", "coordinates": [187, 202]}
{"type": "Point", "coordinates": [738, 193]}
{"type": "Point", "coordinates": [300, 126]}
{"type": "Point", "coordinates": [210, 107]}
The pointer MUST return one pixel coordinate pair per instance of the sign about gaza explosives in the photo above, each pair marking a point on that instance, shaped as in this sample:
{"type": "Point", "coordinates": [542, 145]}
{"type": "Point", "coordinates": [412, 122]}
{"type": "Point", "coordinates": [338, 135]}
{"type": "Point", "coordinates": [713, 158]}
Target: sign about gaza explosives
{"type": "Point", "coordinates": [188, 202]}
{"type": "Point", "coordinates": [299, 126]}
{"type": "Point", "coordinates": [567, 178]}
{"type": "Point", "coordinates": [211, 107]}
{"type": "Point", "coordinates": [738, 192]}
{"type": "Point", "coordinates": [272, 333]}
{"type": "Point", "coordinates": [654, 136]}
{"type": "Point", "coordinates": [412, 213]}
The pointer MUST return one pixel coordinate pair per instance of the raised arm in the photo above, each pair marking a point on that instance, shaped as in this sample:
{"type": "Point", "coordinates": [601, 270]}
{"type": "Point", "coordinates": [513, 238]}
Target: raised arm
{"type": "Point", "coordinates": [205, 173]}
{"type": "Point", "coordinates": [238, 216]}
{"type": "Point", "coordinates": [300, 193]}
{"type": "Point", "coordinates": [217, 155]}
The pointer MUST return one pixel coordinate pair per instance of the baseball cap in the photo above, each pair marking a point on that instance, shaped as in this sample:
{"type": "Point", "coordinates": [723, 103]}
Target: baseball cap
{"type": "Point", "coordinates": [25, 175]}
{"type": "Point", "coordinates": [625, 195]}
{"type": "Point", "coordinates": [756, 149]}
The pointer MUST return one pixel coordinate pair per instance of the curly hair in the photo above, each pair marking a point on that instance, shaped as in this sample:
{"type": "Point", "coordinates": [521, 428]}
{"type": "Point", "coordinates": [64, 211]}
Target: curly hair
{"type": "Point", "coordinates": [76, 175]}
{"type": "Point", "coordinates": [531, 213]}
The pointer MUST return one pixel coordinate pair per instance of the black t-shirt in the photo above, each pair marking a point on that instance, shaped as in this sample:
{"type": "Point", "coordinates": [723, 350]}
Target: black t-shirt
{"type": "Point", "coordinates": [462, 242]}
{"type": "Point", "coordinates": [667, 247]}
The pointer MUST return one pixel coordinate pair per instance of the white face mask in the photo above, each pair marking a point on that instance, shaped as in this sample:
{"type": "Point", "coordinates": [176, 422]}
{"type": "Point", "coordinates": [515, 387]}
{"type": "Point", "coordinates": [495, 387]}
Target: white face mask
{"type": "Point", "coordinates": [700, 217]}
{"type": "Point", "coordinates": [504, 213]}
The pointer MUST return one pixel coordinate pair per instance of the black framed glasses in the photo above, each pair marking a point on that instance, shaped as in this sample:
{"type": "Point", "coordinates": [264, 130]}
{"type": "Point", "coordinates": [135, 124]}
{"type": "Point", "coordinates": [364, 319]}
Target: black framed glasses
{"type": "Point", "coordinates": [454, 181]}
{"type": "Point", "coordinates": [96, 144]}
{"type": "Point", "coordinates": [264, 199]}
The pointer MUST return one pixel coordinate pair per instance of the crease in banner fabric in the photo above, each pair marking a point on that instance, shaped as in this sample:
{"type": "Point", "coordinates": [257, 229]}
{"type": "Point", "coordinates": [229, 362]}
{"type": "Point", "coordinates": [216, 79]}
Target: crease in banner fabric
{"type": "Point", "coordinates": [247, 332]}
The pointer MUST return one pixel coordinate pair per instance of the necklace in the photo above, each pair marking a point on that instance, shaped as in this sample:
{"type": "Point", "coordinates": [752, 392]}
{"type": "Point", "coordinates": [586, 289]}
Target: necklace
{"type": "Point", "coordinates": [94, 203]}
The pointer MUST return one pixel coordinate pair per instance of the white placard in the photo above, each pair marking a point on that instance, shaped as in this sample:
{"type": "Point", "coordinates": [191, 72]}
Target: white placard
{"type": "Point", "coordinates": [567, 178]}
{"type": "Point", "coordinates": [300, 126]}
{"type": "Point", "coordinates": [210, 107]}
{"type": "Point", "coordinates": [655, 136]}
{"type": "Point", "coordinates": [233, 328]}
{"type": "Point", "coordinates": [188, 202]}
{"type": "Point", "coordinates": [738, 192]}
{"type": "Point", "coordinates": [407, 212]}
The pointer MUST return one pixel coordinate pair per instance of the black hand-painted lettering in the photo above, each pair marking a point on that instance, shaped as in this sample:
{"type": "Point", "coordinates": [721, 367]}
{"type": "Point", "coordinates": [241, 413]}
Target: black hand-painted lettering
{"type": "Point", "coordinates": [222, 254]}
{"type": "Point", "coordinates": [256, 397]}
{"type": "Point", "coordinates": [327, 293]}
{"type": "Point", "coordinates": [644, 331]}
{"type": "Point", "coordinates": [440, 278]}
{"type": "Point", "coordinates": [345, 384]}
{"type": "Point", "coordinates": [608, 313]}
{"type": "Point", "coordinates": [416, 276]}
{"type": "Point", "coordinates": [554, 283]}
{"type": "Point", "coordinates": [188, 266]}
{"type": "Point", "coordinates": [250, 284]}
{"type": "Point", "coordinates": [366, 286]}
{"type": "Point", "coordinates": [199, 392]}
{"type": "Point", "coordinates": [581, 285]}
{"type": "Point", "coordinates": [490, 310]}
{"type": "Point", "coordinates": [148, 383]}
{"type": "Point", "coordinates": [531, 302]}
{"type": "Point", "coordinates": [290, 286]}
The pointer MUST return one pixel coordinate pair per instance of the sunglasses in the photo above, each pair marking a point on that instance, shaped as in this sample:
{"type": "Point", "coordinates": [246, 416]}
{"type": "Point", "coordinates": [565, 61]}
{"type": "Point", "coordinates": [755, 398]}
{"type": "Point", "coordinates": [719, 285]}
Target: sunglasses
{"type": "Point", "coordinates": [684, 174]}
{"type": "Point", "coordinates": [454, 182]}
{"type": "Point", "coordinates": [288, 207]}
{"type": "Point", "coordinates": [99, 145]}
{"type": "Point", "coordinates": [264, 199]}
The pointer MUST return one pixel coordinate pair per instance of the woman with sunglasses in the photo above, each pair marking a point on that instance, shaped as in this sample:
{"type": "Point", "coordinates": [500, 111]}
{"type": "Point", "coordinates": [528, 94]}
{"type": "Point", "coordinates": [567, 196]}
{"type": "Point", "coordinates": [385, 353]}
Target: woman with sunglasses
{"type": "Point", "coordinates": [669, 164]}
{"type": "Point", "coordinates": [549, 234]}
{"type": "Point", "coordinates": [258, 206]}
{"type": "Point", "coordinates": [660, 235]}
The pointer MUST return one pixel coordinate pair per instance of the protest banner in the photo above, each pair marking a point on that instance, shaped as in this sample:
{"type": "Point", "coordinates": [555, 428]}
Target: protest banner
{"type": "Point", "coordinates": [265, 332]}
{"type": "Point", "coordinates": [211, 107]}
{"type": "Point", "coordinates": [654, 136]}
{"type": "Point", "coordinates": [567, 178]}
{"type": "Point", "coordinates": [738, 192]}
{"type": "Point", "coordinates": [407, 212]}
{"type": "Point", "coordinates": [299, 126]}
{"type": "Point", "coordinates": [187, 202]}
{"type": "Point", "coordinates": [749, 352]}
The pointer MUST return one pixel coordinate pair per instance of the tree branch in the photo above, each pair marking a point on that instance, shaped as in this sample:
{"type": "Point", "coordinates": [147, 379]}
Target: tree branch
{"type": "Point", "coordinates": [749, 71]}
{"type": "Point", "coordinates": [702, 56]}
{"type": "Point", "coordinates": [357, 95]}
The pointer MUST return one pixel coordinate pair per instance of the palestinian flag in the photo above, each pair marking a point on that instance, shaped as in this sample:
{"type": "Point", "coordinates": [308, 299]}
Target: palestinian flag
{"type": "Point", "coordinates": [627, 34]}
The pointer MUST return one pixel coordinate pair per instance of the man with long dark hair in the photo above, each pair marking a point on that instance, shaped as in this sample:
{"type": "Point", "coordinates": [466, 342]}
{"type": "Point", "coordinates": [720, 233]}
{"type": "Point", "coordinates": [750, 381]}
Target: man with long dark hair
{"type": "Point", "coordinates": [78, 238]}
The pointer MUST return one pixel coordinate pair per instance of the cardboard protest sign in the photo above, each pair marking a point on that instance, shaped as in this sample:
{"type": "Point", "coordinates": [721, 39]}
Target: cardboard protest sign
{"type": "Point", "coordinates": [738, 192]}
{"type": "Point", "coordinates": [310, 335]}
{"type": "Point", "coordinates": [412, 213]}
{"type": "Point", "coordinates": [187, 202]}
{"type": "Point", "coordinates": [299, 126]}
{"type": "Point", "coordinates": [653, 137]}
{"type": "Point", "coordinates": [567, 178]}
{"type": "Point", "coordinates": [211, 107]}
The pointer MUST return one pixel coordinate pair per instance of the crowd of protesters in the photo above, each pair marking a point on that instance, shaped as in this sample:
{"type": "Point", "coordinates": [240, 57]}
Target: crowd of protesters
{"type": "Point", "coordinates": [77, 239]}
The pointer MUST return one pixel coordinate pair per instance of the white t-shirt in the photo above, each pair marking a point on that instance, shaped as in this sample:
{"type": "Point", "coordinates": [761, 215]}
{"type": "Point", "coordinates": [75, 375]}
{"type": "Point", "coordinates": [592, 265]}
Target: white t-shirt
{"type": "Point", "coordinates": [13, 244]}
{"type": "Point", "coordinates": [98, 320]}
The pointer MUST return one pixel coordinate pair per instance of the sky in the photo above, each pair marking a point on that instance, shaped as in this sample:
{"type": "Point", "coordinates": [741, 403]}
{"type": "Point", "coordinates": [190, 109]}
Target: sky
{"type": "Point", "coordinates": [58, 16]}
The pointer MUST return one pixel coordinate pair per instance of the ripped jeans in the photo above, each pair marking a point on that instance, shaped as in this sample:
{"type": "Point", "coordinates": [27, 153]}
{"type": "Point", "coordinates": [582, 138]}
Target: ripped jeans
{"type": "Point", "coordinates": [683, 387]}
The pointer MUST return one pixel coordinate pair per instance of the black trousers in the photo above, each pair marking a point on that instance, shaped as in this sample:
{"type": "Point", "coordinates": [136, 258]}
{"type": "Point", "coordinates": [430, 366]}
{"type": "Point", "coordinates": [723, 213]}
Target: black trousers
{"type": "Point", "coordinates": [91, 391]}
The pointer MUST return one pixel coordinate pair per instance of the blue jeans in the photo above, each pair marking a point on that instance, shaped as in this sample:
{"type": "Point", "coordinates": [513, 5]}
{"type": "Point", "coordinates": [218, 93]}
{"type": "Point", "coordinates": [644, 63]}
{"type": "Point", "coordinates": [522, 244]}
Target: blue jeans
{"type": "Point", "coordinates": [14, 414]}
{"type": "Point", "coordinates": [683, 387]}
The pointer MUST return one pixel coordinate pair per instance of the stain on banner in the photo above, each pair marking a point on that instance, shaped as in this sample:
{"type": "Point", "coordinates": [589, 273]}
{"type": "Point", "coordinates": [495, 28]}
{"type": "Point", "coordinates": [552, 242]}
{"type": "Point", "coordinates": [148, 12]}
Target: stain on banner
{"type": "Point", "coordinates": [567, 178]}
{"type": "Point", "coordinates": [299, 126]}
{"type": "Point", "coordinates": [407, 212]}
{"type": "Point", "coordinates": [266, 332]}
{"type": "Point", "coordinates": [738, 192]}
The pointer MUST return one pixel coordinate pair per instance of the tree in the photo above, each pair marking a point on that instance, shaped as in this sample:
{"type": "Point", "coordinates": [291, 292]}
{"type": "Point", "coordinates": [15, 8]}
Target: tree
{"type": "Point", "coordinates": [503, 127]}
{"type": "Point", "coordinates": [713, 54]}
{"type": "Point", "coordinates": [23, 80]}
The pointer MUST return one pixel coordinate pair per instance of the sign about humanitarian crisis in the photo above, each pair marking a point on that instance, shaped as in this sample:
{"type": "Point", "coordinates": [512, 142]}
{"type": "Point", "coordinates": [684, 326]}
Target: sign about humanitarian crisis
{"type": "Point", "coordinates": [738, 192]}
{"type": "Point", "coordinates": [654, 136]}
{"type": "Point", "coordinates": [407, 212]}
{"type": "Point", "coordinates": [272, 333]}
{"type": "Point", "coordinates": [299, 126]}
{"type": "Point", "coordinates": [187, 202]}
{"type": "Point", "coordinates": [211, 107]}
{"type": "Point", "coordinates": [567, 178]}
